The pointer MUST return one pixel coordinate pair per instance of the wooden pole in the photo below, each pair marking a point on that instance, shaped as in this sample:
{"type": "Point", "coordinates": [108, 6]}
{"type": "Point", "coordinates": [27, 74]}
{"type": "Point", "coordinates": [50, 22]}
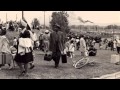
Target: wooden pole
{"type": "Point", "coordinates": [113, 33]}
{"type": "Point", "coordinates": [16, 17]}
{"type": "Point", "coordinates": [44, 20]}
{"type": "Point", "coordinates": [6, 17]}
{"type": "Point", "coordinates": [22, 14]}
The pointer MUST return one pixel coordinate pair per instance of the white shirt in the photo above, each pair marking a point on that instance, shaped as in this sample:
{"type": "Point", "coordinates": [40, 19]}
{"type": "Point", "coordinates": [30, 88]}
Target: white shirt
{"type": "Point", "coordinates": [77, 40]}
{"type": "Point", "coordinates": [82, 45]}
{"type": "Point", "coordinates": [24, 43]}
{"type": "Point", "coordinates": [71, 47]}
{"type": "Point", "coordinates": [118, 42]}
{"type": "Point", "coordinates": [35, 37]}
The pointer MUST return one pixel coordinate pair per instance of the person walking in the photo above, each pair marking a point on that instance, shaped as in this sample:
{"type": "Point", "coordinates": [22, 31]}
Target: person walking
{"type": "Point", "coordinates": [24, 52]}
{"type": "Point", "coordinates": [57, 44]}
{"type": "Point", "coordinates": [83, 47]}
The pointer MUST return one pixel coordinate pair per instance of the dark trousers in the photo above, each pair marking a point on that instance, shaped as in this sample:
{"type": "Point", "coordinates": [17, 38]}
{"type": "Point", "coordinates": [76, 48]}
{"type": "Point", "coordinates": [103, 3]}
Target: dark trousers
{"type": "Point", "coordinates": [118, 50]}
{"type": "Point", "coordinates": [34, 44]}
{"type": "Point", "coordinates": [78, 44]}
{"type": "Point", "coordinates": [56, 57]}
{"type": "Point", "coordinates": [41, 44]}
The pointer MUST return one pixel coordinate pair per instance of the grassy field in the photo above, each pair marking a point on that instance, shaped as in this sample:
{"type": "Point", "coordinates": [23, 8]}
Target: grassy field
{"type": "Point", "coordinates": [46, 70]}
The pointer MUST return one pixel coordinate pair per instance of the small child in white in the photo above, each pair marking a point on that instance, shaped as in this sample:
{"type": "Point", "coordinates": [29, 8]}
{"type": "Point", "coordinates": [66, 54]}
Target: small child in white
{"type": "Point", "coordinates": [71, 49]}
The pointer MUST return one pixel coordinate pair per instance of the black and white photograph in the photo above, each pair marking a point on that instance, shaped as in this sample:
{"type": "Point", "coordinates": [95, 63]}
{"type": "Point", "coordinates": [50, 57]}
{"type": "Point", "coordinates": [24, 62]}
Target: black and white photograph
{"type": "Point", "coordinates": [59, 44]}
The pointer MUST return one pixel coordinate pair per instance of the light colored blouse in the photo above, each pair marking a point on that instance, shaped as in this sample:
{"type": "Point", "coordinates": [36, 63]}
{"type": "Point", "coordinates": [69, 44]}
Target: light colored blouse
{"type": "Point", "coordinates": [4, 45]}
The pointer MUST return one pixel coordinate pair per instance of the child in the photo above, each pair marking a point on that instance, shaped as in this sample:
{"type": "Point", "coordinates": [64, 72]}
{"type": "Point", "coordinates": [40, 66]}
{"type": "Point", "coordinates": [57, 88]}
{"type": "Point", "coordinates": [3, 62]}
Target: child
{"type": "Point", "coordinates": [37, 44]}
{"type": "Point", "coordinates": [15, 42]}
{"type": "Point", "coordinates": [13, 52]}
{"type": "Point", "coordinates": [66, 50]}
{"type": "Point", "coordinates": [71, 48]}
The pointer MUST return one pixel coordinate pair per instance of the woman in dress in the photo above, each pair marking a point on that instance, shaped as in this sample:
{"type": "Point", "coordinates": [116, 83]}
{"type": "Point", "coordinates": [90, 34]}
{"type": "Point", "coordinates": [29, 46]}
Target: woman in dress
{"type": "Point", "coordinates": [24, 53]}
{"type": "Point", "coordinates": [4, 48]}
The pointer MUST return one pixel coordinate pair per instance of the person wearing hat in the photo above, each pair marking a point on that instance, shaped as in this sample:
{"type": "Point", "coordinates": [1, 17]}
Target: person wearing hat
{"type": "Point", "coordinates": [24, 52]}
{"type": "Point", "coordinates": [41, 41]}
{"type": "Point", "coordinates": [57, 44]}
{"type": "Point", "coordinates": [25, 27]}
{"type": "Point", "coordinates": [46, 37]}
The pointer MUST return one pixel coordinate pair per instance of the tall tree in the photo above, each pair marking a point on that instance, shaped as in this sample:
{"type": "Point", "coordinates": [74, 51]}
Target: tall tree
{"type": "Point", "coordinates": [60, 18]}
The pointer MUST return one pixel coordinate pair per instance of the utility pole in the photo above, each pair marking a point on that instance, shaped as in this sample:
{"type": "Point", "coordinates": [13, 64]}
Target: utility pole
{"type": "Point", "coordinates": [6, 17]}
{"type": "Point", "coordinates": [16, 17]}
{"type": "Point", "coordinates": [113, 32]}
{"type": "Point", "coordinates": [22, 14]}
{"type": "Point", "coordinates": [49, 21]}
{"type": "Point", "coordinates": [44, 21]}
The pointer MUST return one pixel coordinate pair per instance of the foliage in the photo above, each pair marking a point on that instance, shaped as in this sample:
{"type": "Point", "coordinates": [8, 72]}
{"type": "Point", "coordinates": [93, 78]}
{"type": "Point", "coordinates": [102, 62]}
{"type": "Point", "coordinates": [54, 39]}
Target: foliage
{"type": "Point", "coordinates": [60, 18]}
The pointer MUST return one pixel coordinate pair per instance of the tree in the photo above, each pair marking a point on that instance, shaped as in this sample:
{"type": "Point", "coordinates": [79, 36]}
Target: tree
{"type": "Point", "coordinates": [35, 23]}
{"type": "Point", "coordinates": [61, 19]}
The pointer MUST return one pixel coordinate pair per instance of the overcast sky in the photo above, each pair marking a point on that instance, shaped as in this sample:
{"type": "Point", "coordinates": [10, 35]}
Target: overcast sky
{"type": "Point", "coordinates": [98, 17]}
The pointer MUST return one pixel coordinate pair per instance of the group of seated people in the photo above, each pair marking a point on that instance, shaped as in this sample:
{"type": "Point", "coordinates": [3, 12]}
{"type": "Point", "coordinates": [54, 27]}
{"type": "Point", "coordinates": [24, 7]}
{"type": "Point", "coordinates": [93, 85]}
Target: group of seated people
{"type": "Point", "coordinates": [92, 51]}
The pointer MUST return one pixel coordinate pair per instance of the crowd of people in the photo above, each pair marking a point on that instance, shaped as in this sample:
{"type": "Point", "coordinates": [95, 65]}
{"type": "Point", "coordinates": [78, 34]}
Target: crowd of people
{"type": "Point", "coordinates": [55, 43]}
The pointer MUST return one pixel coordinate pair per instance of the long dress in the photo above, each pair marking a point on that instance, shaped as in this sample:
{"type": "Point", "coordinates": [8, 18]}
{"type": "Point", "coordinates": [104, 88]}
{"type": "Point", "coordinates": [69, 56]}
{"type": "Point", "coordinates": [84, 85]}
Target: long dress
{"type": "Point", "coordinates": [82, 45]}
{"type": "Point", "coordinates": [5, 50]}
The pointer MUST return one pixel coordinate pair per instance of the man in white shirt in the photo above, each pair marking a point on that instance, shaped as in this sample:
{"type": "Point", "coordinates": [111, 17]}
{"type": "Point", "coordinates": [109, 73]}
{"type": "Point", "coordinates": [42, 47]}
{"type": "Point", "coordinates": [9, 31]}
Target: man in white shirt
{"type": "Point", "coordinates": [34, 39]}
{"type": "Point", "coordinates": [82, 46]}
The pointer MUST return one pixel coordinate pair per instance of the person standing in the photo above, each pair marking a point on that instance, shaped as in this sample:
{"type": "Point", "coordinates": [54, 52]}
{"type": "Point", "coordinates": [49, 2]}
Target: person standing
{"type": "Point", "coordinates": [83, 50]}
{"type": "Point", "coordinates": [118, 45]}
{"type": "Point", "coordinates": [15, 42]}
{"type": "Point", "coordinates": [35, 39]}
{"type": "Point", "coordinates": [83, 47]}
{"type": "Point", "coordinates": [57, 44]}
{"type": "Point", "coordinates": [72, 48]}
{"type": "Point", "coordinates": [4, 47]}
{"type": "Point", "coordinates": [46, 38]}
{"type": "Point", "coordinates": [41, 41]}
{"type": "Point", "coordinates": [77, 43]}
{"type": "Point", "coordinates": [114, 44]}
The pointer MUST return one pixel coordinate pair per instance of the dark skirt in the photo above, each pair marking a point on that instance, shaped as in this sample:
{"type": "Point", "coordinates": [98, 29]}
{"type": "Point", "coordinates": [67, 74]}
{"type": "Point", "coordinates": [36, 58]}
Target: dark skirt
{"type": "Point", "coordinates": [28, 57]}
